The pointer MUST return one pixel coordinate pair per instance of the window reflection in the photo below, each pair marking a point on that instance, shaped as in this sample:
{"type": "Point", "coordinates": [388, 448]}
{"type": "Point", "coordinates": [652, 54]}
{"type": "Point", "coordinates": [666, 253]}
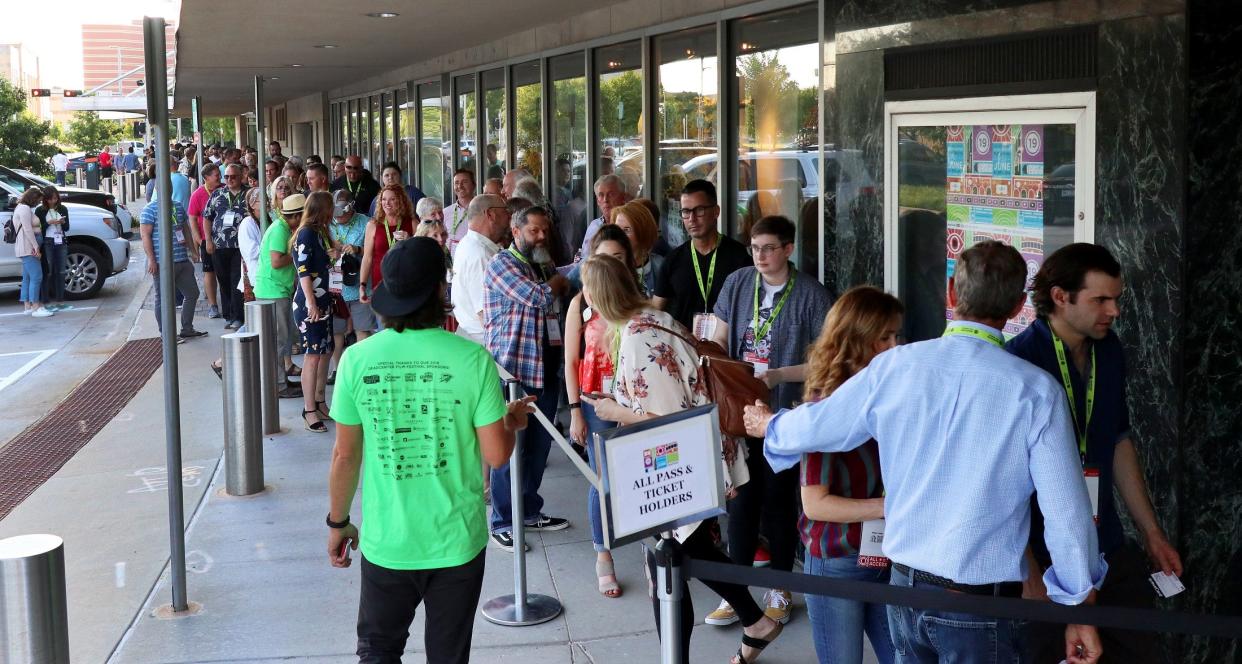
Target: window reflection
{"type": "Point", "coordinates": [353, 127]}
{"type": "Point", "coordinates": [466, 147]}
{"type": "Point", "coordinates": [405, 132]}
{"type": "Point", "coordinates": [434, 158]}
{"type": "Point", "coordinates": [618, 70]}
{"type": "Point", "coordinates": [377, 135]}
{"type": "Point", "coordinates": [569, 187]}
{"type": "Point", "coordinates": [494, 121]}
{"type": "Point", "coordinates": [528, 128]}
{"type": "Point", "coordinates": [686, 106]}
{"type": "Point", "coordinates": [776, 61]}
{"type": "Point", "coordinates": [388, 116]}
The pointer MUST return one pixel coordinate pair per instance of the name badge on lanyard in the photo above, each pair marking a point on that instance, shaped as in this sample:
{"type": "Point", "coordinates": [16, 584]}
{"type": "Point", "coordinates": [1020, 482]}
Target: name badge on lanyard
{"type": "Point", "coordinates": [1090, 474]}
{"type": "Point", "coordinates": [336, 279]}
{"type": "Point", "coordinates": [871, 545]}
{"type": "Point", "coordinates": [553, 325]}
{"type": "Point", "coordinates": [229, 218]}
{"type": "Point", "coordinates": [757, 361]}
{"type": "Point", "coordinates": [178, 235]}
{"type": "Point", "coordinates": [1092, 477]}
{"type": "Point", "coordinates": [705, 326]}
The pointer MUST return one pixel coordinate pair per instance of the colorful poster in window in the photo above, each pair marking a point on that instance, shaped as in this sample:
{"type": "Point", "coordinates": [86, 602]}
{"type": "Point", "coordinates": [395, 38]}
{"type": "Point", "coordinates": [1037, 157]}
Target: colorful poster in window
{"type": "Point", "coordinates": [994, 191]}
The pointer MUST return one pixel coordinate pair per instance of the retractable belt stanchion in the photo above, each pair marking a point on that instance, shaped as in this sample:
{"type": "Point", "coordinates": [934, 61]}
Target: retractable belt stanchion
{"type": "Point", "coordinates": [668, 558]}
{"type": "Point", "coordinates": [520, 608]}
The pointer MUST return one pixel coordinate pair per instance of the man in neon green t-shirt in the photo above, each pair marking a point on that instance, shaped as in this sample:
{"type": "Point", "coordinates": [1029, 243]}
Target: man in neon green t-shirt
{"type": "Point", "coordinates": [423, 408]}
{"type": "Point", "coordinates": [275, 281]}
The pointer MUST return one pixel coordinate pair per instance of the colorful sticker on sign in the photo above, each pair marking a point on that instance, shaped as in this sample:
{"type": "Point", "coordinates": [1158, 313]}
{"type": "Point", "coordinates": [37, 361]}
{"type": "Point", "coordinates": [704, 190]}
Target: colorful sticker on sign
{"type": "Point", "coordinates": [660, 457]}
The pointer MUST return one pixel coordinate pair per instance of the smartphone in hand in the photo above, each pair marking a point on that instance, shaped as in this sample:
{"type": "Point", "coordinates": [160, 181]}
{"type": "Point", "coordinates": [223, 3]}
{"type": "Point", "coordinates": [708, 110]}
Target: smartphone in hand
{"type": "Point", "coordinates": [343, 552]}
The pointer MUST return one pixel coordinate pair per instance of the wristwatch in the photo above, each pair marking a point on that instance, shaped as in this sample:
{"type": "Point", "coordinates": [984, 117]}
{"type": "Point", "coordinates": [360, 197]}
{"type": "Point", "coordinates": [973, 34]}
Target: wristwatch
{"type": "Point", "coordinates": [336, 524]}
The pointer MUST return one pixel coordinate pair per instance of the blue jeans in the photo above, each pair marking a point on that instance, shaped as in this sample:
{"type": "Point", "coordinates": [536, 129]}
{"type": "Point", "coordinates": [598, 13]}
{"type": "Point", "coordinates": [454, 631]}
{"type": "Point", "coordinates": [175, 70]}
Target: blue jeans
{"type": "Point", "coordinates": [962, 638]}
{"type": "Point", "coordinates": [60, 178]}
{"type": "Point", "coordinates": [54, 278]}
{"type": "Point", "coordinates": [536, 443]}
{"type": "Point", "coordinates": [599, 463]}
{"type": "Point", "coordinates": [32, 279]}
{"type": "Point", "coordinates": [837, 624]}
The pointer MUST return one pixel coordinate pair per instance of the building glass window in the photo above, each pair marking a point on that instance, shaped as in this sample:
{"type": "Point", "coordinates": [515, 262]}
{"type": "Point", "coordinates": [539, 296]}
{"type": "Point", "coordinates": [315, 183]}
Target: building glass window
{"type": "Point", "coordinates": [528, 118]}
{"type": "Point", "coordinates": [364, 131]}
{"type": "Point", "coordinates": [686, 107]}
{"type": "Point", "coordinates": [569, 187]}
{"type": "Point", "coordinates": [434, 153]}
{"type": "Point", "coordinates": [466, 144]}
{"type": "Point", "coordinates": [343, 147]}
{"type": "Point", "coordinates": [776, 62]}
{"type": "Point", "coordinates": [495, 119]}
{"type": "Point", "coordinates": [389, 125]}
{"type": "Point", "coordinates": [619, 114]}
{"type": "Point", "coordinates": [353, 127]}
{"type": "Point", "coordinates": [377, 136]}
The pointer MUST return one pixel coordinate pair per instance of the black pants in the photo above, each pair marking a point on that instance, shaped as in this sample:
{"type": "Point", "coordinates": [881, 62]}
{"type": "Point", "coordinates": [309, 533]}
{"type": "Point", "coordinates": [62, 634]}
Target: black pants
{"type": "Point", "coordinates": [768, 498]}
{"type": "Point", "coordinates": [390, 597]}
{"type": "Point", "coordinates": [227, 266]}
{"type": "Point", "coordinates": [1127, 585]}
{"type": "Point", "coordinates": [700, 547]}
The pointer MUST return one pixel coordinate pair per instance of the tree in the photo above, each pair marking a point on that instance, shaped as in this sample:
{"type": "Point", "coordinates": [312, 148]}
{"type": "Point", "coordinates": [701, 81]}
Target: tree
{"type": "Point", "coordinates": [89, 132]}
{"type": "Point", "coordinates": [620, 104]}
{"type": "Point", "coordinates": [23, 137]}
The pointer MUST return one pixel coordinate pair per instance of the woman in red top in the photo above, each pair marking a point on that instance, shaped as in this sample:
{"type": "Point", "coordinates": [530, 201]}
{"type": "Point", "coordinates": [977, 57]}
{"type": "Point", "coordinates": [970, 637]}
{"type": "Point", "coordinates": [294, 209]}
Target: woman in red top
{"type": "Point", "coordinates": [589, 369]}
{"type": "Point", "coordinates": [394, 221]}
{"type": "Point", "coordinates": [841, 492]}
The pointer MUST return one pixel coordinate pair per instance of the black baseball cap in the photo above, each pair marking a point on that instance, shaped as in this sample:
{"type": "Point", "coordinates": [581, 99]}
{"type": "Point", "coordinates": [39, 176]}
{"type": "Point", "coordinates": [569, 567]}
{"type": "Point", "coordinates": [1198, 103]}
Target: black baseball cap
{"type": "Point", "coordinates": [412, 272]}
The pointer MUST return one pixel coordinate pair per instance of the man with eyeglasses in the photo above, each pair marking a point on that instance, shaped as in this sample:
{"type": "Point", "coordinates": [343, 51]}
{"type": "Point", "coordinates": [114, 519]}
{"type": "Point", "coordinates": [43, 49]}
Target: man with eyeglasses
{"type": "Point", "coordinates": [456, 216]}
{"type": "Point", "coordinates": [489, 225]}
{"type": "Point", "coordinates": [609, 193]}
{"type": "Point", "coordinates": [768, 315]}
{"type": "Point", "coordinates": [225, 212]}
{"type": "Point", "coordinates": [694, 273]}
{"type": "Point", "coordinates": [360, 184]}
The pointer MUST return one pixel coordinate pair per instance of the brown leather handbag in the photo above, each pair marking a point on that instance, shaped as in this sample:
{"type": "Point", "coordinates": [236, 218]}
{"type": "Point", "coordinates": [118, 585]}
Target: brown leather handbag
{"type": "Point", "coordinates": [731, 383]}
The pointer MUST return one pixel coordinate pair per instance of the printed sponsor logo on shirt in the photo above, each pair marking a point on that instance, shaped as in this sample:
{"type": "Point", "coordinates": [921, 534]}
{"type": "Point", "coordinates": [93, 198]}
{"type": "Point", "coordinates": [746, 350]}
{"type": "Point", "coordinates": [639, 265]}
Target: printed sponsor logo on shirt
{"type": "Point", "coordinates": [660, 457]}
{"type": "Point", "coordinates": [371, 379]}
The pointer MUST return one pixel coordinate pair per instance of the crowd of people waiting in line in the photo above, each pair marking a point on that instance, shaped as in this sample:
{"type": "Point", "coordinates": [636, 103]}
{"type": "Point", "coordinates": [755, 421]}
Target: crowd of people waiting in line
{"type": "Point", "coordinates": [974, 454]}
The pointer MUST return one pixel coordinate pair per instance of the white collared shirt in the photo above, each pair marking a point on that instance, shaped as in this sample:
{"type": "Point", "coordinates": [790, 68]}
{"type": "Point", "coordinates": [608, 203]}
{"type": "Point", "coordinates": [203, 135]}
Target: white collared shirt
{"type": "Point", "coordinates": [474, 252]}
{"type": "Point", "coordinates": [457, 224]}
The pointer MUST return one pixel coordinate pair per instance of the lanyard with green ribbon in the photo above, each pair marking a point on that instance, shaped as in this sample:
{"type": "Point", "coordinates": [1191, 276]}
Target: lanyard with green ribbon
{"type": "Point", "coordinates": [355, 189]}
{"type": "Point", "coordinates": [761, 331]}
{"type": "Point", "coordinates": [1069, 392]}
{"type": "Point", "coordinates": [456, 222]}
{"type": "Point", "coordinates": [232, 201]}
{"type": "Point", "coordinates": [957, 329]}
{"type": "Point", "coordinates": [388, 231]}
{"type": "Point", "coordinates": [711, 272]}
{"type": "Point", "coordinates": [538, 269]}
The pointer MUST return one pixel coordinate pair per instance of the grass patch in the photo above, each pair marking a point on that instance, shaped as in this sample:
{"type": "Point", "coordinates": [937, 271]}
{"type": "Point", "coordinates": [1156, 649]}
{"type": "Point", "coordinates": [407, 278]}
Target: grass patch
{"type": "Point", "coordinates": [921, 196]}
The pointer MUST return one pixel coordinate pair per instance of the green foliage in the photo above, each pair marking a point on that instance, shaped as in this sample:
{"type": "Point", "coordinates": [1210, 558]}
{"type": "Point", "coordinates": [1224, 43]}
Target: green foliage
{"type": "Point", "coordinates": [88, 132]}
{"type": "Point", "coordinates": [218, 131]}
{"type": "Point", "coordinates": [621, 105]}
{"type": "Point", "coordinates": [23, 137]}
{"type": "Point", "coordinates": [774, 110]}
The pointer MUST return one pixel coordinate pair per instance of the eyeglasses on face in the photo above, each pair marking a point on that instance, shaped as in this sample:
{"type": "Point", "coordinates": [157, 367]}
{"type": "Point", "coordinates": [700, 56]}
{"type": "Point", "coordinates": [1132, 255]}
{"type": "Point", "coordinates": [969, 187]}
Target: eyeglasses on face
{"type": "Point", "coordinates": [698, 211]}
{"type": "Point", "coordinates": [764, 250]}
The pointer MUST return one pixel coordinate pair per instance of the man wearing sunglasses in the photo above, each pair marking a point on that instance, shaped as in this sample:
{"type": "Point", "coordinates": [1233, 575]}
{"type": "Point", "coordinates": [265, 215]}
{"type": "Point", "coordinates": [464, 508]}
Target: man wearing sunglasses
{"type": "Point", "coordinates": [360, 184]}
{"type": "Point", "coordinates": [225, 212]}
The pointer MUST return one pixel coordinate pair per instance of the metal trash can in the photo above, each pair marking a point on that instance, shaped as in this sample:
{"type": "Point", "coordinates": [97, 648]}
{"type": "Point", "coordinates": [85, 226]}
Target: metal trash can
{"type": "Point", "coordinates": [34, 617]}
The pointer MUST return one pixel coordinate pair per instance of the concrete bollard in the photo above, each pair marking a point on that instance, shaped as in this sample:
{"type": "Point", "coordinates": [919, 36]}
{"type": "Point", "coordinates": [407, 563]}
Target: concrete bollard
{"type": "Point", "coordinates": [261, 319]}
{"type": "Point", "coordinates": [34, 618]}
{"type": "Point", "coordinates": [243, 431]}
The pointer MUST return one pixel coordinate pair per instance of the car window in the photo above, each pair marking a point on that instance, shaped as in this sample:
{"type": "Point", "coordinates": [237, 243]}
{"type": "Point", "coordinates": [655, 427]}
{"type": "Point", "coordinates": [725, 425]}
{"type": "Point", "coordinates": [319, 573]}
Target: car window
{"type": "Point", "coordinates": [14, 182]}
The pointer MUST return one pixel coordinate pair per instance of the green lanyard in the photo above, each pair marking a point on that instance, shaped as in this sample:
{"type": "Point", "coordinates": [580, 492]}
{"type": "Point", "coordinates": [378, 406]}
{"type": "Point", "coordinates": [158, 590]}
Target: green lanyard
{"type": "Point", "coordinates": [232, 201]}
{"type": "Point", "coordinates": [958, 329]}
{"type": "Point", "coordinates": [761, 331]}
{"type": "Point", "coordinates": [698, 272]}
{"type": "Point", "coordinates": [518, 255]}
{"type": "Point", "coordinates": [353, 190]}
{"type": "Point", "coordinates": [388, 232]}
{"type": "Point", "coordinates": [1069, 392]}
{"type": "Point", "coordinates": [457, 222]}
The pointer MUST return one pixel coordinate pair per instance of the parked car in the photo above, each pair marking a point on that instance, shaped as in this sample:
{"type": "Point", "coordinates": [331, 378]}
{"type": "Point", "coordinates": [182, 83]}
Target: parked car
{"type": "Point", "coordinates": [22, 179]}
{"type": "Point", "coordinates": [97, 250]}
{"type": "Point", "coordinates": [1059, 195]}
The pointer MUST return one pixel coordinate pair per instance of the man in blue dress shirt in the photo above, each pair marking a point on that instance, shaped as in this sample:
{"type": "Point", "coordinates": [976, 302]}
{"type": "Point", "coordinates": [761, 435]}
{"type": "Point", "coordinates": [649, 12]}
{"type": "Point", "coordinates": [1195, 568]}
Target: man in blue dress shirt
{"type": "Point", "coordinates": [1076, 294]}
{"type": "Point", "coordinates": [967, 433]}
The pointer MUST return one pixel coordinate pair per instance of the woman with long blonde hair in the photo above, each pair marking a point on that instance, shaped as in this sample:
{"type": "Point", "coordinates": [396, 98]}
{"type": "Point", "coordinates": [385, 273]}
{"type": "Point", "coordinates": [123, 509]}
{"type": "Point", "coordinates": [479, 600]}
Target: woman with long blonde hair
{"type": "Point", "coordinates": [841, 491]}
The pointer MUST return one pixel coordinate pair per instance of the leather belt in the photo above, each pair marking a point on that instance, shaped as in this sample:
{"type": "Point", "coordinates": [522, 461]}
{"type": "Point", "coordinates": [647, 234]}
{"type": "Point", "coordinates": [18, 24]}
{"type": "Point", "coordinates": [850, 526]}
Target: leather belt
{"type": "Point", "coordinates": [1005, 589]}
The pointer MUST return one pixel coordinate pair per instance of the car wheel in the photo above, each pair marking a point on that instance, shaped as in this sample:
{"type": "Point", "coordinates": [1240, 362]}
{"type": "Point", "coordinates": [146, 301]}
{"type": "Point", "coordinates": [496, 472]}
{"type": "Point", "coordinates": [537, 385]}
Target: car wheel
{"type": "Point", "coordinates": [84, 274]}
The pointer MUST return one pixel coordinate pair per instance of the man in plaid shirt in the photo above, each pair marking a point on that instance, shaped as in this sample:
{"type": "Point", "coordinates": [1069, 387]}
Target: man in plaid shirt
{"type": "Point", "coordinates": [521, 307]}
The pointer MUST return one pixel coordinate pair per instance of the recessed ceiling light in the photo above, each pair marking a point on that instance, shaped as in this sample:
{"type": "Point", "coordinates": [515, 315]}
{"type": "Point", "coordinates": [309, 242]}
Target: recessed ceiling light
{"type": "Point", "coordinates": [383, 14]}
{"type": "Point", "coordinates": [325, 46]}
{"type": "Point", "coordinates": [296, 65]}
{"type": "Point", "coordinates": [273, 78]}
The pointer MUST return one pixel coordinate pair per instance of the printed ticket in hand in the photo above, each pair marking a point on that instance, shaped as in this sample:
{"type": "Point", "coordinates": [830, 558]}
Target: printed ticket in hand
{"type": "Point", "coordinates": [1166, 585]}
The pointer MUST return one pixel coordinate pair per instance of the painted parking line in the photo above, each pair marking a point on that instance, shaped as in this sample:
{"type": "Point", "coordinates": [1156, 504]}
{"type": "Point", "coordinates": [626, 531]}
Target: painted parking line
{"type": "Point", "coordinates": [64, 311]}
{"type": "Point", "coordinates": [26, 368]}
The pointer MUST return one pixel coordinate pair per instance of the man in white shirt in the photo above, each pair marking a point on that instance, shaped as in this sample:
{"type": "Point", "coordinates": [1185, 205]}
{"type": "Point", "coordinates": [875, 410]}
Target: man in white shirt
{"type": "Point", "coordinates": [488, 226]}
{"type": "Point", "coordinates": [457, 215]}
{"type": "Point", "coordinates": [609, 193]}
{"type": "Point", "coordinates": [60, 164]}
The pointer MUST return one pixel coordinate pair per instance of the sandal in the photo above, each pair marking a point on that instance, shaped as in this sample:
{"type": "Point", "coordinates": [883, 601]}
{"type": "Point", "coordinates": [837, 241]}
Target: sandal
{"type": "Point", "coordinates": [218, 369]}
{"type": "Point", "coordinates": [294, 371]}
{"type": "Point", "coordinates": [757, 643]}
{"type": "Point", "coordinates": [316, 426]}
{"type": "Point", "coordinates": [605, 568]}
{"type": "Point", "coordinates": [322, 413]}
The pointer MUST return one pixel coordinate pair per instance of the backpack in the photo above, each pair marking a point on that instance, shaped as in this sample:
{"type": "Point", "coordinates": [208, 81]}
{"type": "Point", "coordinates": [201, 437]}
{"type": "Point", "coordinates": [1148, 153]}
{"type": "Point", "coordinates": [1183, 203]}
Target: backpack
{"type": "Point", "coordinates": [10, 232]}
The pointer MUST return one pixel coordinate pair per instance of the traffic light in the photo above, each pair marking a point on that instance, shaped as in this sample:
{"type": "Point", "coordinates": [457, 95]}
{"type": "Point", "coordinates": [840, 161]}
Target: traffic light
{"type": "Point", "coordinates": [40, 92]}
{"type": "Point", "coordinates": [73, 93]}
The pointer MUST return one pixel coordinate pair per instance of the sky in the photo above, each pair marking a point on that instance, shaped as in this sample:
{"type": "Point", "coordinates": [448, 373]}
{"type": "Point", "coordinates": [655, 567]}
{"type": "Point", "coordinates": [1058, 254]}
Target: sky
{"type": "Point", "coordinates": [56, 36]}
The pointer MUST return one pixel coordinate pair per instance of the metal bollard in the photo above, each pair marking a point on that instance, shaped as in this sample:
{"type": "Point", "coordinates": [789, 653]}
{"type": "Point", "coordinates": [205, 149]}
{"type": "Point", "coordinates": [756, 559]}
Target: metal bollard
{"type": "Point", "coordinates": [668, 559]}
{"type": "Point", "coordinates": [261, 319]}
{"type": "Point", "coordinates": [34, 618]}
{"type": "Point", "coordinates": [124, 188]}
{"type": "Point", "coordinates": [79, 177]}
{"type": "Point", "coordinates": [243, 431]}
{"type": "Point", "coordinates": [520, 608]}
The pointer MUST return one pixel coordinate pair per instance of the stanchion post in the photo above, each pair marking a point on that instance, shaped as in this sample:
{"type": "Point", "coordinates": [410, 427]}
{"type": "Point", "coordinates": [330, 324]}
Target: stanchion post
{"type": "Point", "coordinates": [668, 559]}
{"type": "Point", "coordinates": [261, 319]}
{"type": "Point", "coordinates": [243, 433]}
{"type": "Point", "coordinates": [520, 608]}
{"type": "Point", "coordinates": [34, 616]}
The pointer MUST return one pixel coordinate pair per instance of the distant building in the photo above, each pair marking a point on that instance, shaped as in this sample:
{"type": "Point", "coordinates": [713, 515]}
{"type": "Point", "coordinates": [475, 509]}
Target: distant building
{"type": "Point", "coordinates": [20, 66]}
{"type": "Point", "coordinates": [109, 51]}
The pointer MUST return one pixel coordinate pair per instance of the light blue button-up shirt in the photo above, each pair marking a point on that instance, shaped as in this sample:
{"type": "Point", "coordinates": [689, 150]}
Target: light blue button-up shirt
{"type": "Point", "coordinates": [967, 432]}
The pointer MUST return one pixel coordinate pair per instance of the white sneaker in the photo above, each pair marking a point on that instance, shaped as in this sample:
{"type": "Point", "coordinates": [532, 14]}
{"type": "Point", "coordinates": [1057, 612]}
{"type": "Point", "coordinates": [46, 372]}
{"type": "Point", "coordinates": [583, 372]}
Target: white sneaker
{"type": "Point", "coordinates": [41, 312]}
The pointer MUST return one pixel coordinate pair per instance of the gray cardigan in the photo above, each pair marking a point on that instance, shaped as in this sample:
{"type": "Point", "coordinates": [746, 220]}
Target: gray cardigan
{"type": "Point", "coordinates": [795, 329]}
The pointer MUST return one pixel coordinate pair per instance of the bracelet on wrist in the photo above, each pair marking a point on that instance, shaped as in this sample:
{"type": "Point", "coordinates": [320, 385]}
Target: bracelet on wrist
{"type": "Point", "coordinates": [573, 406]}
{"type": "Point", "coordinates": [336, 524]}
